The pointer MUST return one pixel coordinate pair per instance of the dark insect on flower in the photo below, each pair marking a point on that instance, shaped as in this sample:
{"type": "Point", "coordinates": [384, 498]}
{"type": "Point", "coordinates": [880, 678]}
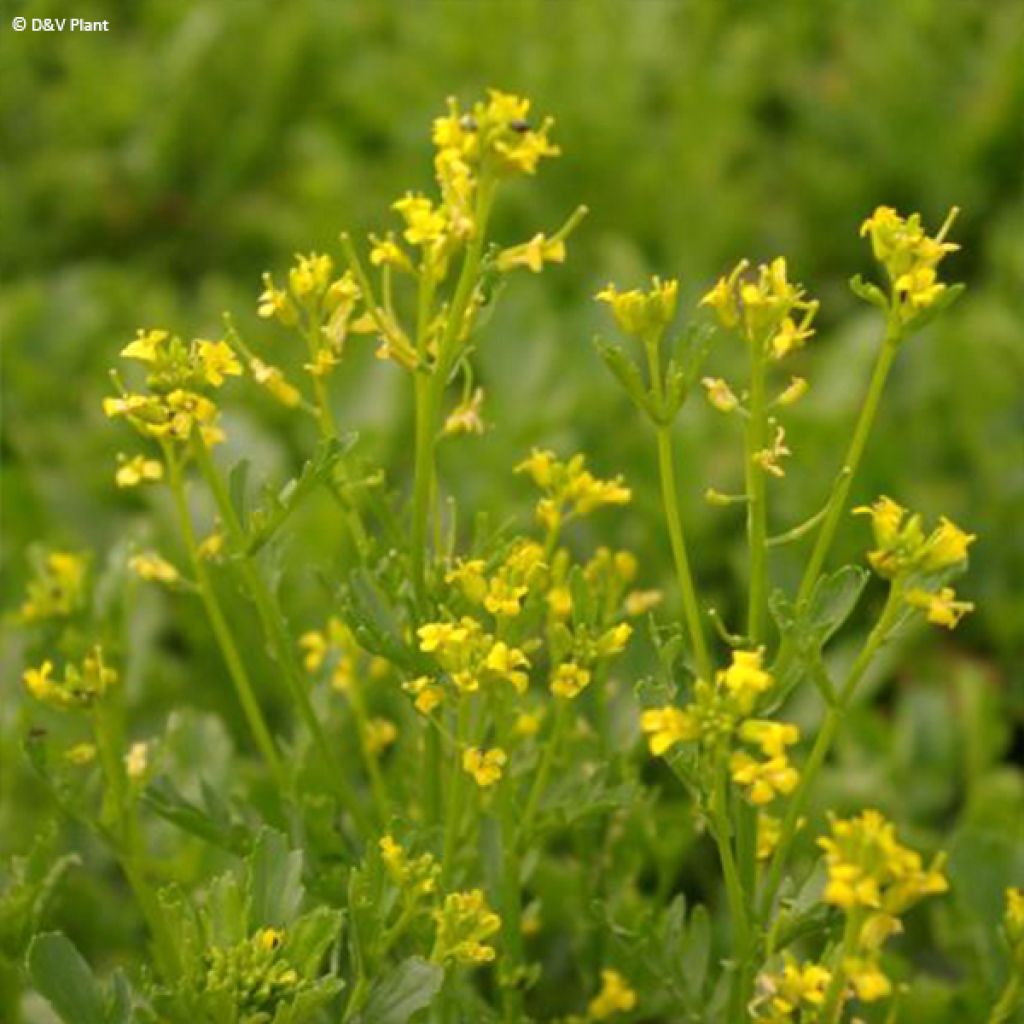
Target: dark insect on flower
{"type": "Point", "coordinates": [519, 125]}
{"type": "Point", "coordinates": [468, 123]}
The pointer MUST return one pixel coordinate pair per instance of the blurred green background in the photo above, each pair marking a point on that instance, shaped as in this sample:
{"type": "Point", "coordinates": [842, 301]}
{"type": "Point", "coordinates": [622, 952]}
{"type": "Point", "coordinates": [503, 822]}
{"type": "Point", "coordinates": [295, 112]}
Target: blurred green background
{"type": "Point", "coordinates": [150, 174]}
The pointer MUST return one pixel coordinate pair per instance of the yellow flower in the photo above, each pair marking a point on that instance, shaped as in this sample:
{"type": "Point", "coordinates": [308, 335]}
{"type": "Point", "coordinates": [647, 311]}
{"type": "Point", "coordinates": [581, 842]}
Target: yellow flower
{"type": "Point", "coordinates": [147, 346]}
{"type": "Point", "coordinates": [867, 979]}
{"type": "Point", "coordinates": [137, 470]}
{"type": "Point", "coordinates": [615, 996]}
{"type": "Point", "coordinates": [424, 224]}
{"type": "Point", "coordinates": [152, 567]}
{"type": "Point", "coordinates": [484, 765]}
{"type": "Point", "coordinates": [275, 302]}
{"type": "Point", "coordinates": [504, 598]}
{"type": "Point", "coordinates": [946, 546]}
{"type": "Point", "coordinates": [38, 682]}
{"type": "Point", "coordinates": [643, 315]}
{"type": "Point", "coordinates": [468, 574]}
{"type": "Point", "coordinates": [427, 693]}
{"type": "Point", "coordinates": [666, 727]}
{"type": "Point", "coordinates": [764, 780]}
{"type": "Point", "coordinates": [569, 680]}
{"type": "Point", "coordinates": [527, 723]}
{"type": "Point", "coordinates": [532, 254]}
{"type": "Point", "coordinates": [942, 609]}
{"type": "Point", "coordinates": [386, 252]}
{"type": "Point", "coordinates": [380, 734]}
{"type": "Point", "coordinates": [218, 361]}
{"type": "Point", "coordinates": [441, 637]}
{"type": "Point", "coordinates": [211, 546]}
{"type": "Point", "coordinates": [509, 663]}
{"type": "Point", "coordinates": [745, 676]}
{"type": "Point", "coordinates": [771, 737]}
{"type": "Point", "coordinates": [269, 939]}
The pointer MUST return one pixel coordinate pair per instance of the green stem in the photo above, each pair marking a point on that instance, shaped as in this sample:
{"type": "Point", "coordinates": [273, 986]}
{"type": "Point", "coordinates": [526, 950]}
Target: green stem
{"type": "Point", "coordinates": [756, 507]}
{"type": "Point", "coordinates": [126, 838]}
{"type": "Point", "coordinates": [423, 479]}
{"type": "Point", "coordinates": [511, 906]}
{"type": "Point", "coordinates": [822, 745]}
{"type": "Point", "coordinates": [1009, 1000]}
{"type": "Point", "coordinates": [677, 539]}
{"type": "Point", "coordinates": [841, 489]}
{"type": "Point", "coordinates": [222, 631]}
{"type": "Point", "coordinates": [378, 786]}
{"type": "Point", "coordinates": [833, 1007]}
{"type": "Point", "coordinates": [275, 630]}
{"type": "Point", "coordinates": [456, 791]}
{"type": "Point", "coordinates": [733, 886]}
{"type": "Point", "coordinates": [540, 780]}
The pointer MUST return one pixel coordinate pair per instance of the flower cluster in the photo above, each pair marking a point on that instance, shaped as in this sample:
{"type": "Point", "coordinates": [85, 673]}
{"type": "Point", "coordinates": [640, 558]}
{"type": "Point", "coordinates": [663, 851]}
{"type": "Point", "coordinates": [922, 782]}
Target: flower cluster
{"type": "Point", "coordinates": [910, 258]}
{"type": "Point", "coordinates": [643, 315]}
{"type": "Point", "coordinates": [415, 876]}
{"type": "Point", "coordinates": [179, 379]}
{"type": "Point", "coordinates": [464, 923]}
{"type": "Point", "coordinates": [570, 489]}
{"type": "Point", "coordinates": [82, 686]}
{"type": "Point", "coordinates": [905, 554]}
{"type": "Point", "coordinates": [254, 976]}
{"type": "Point", "coordinates": [616, 996]}
{"type": "Point", "coordinates": [769, 310]}
{"type": "Point", "coordinates": [321, 305]}
{"type": "Point", "coordinates": [797, 992]}
{"type": "Point", "coordinates": [57, 587]}
{"type": "Point", "coordinates": [873, 879]}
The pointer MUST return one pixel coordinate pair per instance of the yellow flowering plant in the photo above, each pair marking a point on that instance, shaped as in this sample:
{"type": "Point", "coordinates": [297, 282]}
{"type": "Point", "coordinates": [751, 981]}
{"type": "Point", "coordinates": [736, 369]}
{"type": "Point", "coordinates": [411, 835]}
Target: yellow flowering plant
{"type": "Point", "coordinates": [456, 787]}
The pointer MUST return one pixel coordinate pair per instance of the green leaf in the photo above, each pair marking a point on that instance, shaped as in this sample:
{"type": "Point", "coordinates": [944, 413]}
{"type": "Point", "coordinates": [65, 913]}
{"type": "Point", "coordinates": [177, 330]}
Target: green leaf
{"type": "Point", "coordinates": [409, 988]}
{"type": "Point", "coordinates": [627, 373]}
{"type": "Point", "coordinates": [276, 506]}
{"type": "Point", "coordinates": [275, 881]}
{"type": "Point", "coordinates": [310, 937]}
{"type": "Point", "coordinates": [869, 292]}
{"type": "Point", "coordinates": [212, 823]}
{"type": "Point", "coordinates": [238, 480]}
{"type": "Point", "coordinates": [60, 974]}
{"type": "Point", "coordinates": [696, 954]}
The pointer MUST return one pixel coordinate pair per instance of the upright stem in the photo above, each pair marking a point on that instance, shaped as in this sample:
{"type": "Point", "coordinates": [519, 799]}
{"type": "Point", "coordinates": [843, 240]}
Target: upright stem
{"type": "Point", "coordinates": [674, 524]}
{"type": "Point", "coordinates": [756, 506]}
{"type": "Point", "coordinates": [222, 631]}
{"type": "Point", "coordinates": [109, 744]}
{"type": "Point", "coordinates": [511, 909]}
{"type": "Point", "coordinates": [423, 480]}
{"type": "Point", "coordinates": [272, 620]}
{"type": "Point", "coordinates": [677, 539]}
{"type": "Point", "coordinates": [841, 490]}
{"type": "Point", "coordinates": [822, 746]}
{"type": "Point", "coordinates": [456, 793]}
{"type": "Point", "coordinates": [1009, 1000]}
{"type": "Point", "coordinates": [833, 1008]}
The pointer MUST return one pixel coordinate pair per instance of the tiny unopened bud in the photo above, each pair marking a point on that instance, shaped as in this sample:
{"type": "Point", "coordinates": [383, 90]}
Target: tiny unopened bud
{"type": "Point", "coordinates": [720, 395]}
{"type": "Point", "coordinates": [796, 390]}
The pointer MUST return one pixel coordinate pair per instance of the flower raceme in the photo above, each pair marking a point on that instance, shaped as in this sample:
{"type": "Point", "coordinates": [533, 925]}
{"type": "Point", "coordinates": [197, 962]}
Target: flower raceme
{"type": "Point", "coordinates": [570, 489]}
{"type": "Point", "coordinates": [82, 686]}
{"type": "Point", "coordinates": [768, 309]}
{"type": "Point", "coordinates": [910, 258]}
